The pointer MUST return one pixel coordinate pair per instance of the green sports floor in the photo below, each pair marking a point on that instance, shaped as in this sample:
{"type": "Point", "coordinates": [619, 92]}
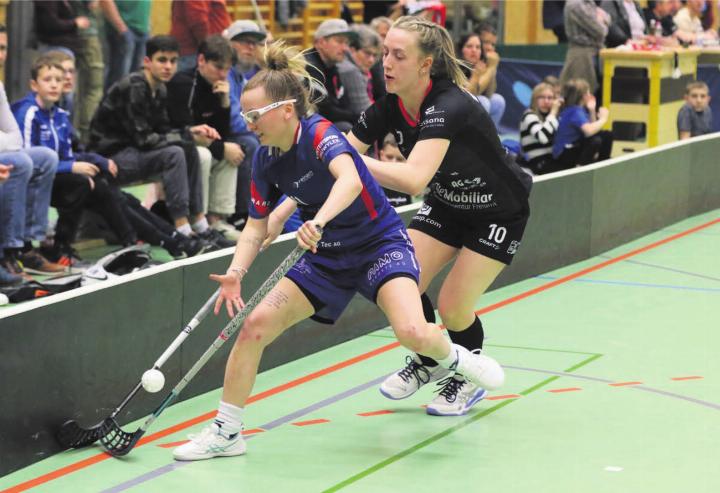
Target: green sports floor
{"type": "Point", "coordinates": [613, 385]}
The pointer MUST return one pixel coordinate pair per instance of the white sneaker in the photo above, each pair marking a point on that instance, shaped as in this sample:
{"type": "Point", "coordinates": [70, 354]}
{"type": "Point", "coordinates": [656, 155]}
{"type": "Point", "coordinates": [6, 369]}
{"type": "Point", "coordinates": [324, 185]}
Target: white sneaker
{"type": "Point", "coordinates": [479, 369]}
{"type": "Point", "coordinates": [208, 444]}
{"type": "Point", "coordinates": [407, 381]}
{"type": "Point", "coordinates": [227, 230]}
{"type": "Point", "coordinates": [456, 397]}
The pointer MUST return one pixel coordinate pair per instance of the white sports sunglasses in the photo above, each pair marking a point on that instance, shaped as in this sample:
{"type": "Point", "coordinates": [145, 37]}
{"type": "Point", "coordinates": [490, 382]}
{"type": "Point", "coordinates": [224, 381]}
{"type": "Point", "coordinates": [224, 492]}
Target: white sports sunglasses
{"type": "Point", "coordinates": [253, 116]}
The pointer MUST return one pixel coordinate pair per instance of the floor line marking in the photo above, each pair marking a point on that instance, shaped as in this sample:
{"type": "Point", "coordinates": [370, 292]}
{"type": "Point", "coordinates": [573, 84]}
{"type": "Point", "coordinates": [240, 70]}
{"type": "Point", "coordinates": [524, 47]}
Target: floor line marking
{"type": "Point", "coordinates": [624, 384]}
{"type": "Point", "coordinates": [131, 483]}
{"type": "Point", "coordinates": [637, 284]}
{"type": "Point", "coordinates": [679, 271]}
{"type": "Point", "coordinates": [310, 422]}
{"type": "Point", "coordinates": [539, 289]}
{"type": "Point", "coordinates": [694, 377]}
{"type": "Point", "coordinates": [376, 413]}
{"type": "Point", "coordinates": [502, 397]}
{"type": "Point", "coordinates": [643, 388]}
{"type": "Point", "coordinates": [443, 434]}
{"type": "Point", "coordinates": [507, 398]}
{"type": "Point", "coordinates": [568, 389]}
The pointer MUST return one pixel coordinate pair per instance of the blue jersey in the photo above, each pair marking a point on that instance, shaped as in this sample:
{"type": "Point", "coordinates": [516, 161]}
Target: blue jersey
{"type": "Point", "coordinates": [302, 174]}
{"type": "Point", "coordinates": [569, 130]}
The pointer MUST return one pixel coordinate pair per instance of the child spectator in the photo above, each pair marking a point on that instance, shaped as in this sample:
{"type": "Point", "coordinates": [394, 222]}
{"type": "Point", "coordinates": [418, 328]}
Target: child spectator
{"type": "Point", "coordinates": [695, 117]}
{"type": "Point", "coordinates": [391, 153]}
{"type": "Point", "coordinates": [538, 127]}
{"type": "Point", "coordinates": [24, 196]}
{"type": "Point", "coordinates": [148, 226]}
{"type": "Point", "coordinates": [80, 182]}
{"type": "Point", "coordinates": [580, 139]}
{"type": "Point", "coordinates": [555, 84]}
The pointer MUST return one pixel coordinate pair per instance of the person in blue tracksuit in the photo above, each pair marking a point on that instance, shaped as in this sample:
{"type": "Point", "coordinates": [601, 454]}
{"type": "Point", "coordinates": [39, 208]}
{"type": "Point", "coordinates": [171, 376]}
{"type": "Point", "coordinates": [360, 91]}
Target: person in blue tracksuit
{"type": "Point", "coordinates": [85, 180]}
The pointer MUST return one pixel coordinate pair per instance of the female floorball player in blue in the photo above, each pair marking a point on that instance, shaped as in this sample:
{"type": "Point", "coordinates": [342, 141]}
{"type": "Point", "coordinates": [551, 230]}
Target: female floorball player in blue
{"type": "Point", "coordinates": [477, 205]}
{"type": "Point", "coordinates": [364, 247]}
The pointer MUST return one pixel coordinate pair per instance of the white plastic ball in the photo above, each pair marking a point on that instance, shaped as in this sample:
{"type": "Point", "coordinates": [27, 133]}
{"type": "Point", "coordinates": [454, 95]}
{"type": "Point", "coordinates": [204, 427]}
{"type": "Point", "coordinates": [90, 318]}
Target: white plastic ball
{"type": "Point", "coordinates": [153, 380]}
{"type": "Point", "coordinates": [4, 300]}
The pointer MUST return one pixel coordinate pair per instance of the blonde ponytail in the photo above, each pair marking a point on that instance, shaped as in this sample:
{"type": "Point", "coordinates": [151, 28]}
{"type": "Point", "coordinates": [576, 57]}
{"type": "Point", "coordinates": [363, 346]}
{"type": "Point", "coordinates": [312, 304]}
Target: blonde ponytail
{"type": "Point", "coordinates": [283, 75]}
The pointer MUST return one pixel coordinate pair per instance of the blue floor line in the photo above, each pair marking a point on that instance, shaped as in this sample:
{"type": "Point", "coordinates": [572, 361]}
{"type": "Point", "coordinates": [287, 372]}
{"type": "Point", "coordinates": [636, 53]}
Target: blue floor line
{"type": "Point", "coordinates": [635, 284]}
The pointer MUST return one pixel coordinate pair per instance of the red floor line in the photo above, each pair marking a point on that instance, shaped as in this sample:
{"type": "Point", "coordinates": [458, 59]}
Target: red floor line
{"type": "Point", "coordinates": [281, 388]}
{"type": "Point", "coordinates": [502, 397]}
{"type": "Point", "coordinates": [694, 377]}
{"type": "Point", "coordinates": [624, 384]}
{"type": "Point", "coordinates": [569, 389]}
{"type": "Point", "coordinates": [376, 413]}
{"type": "Point", "coordinates": [311, 422]}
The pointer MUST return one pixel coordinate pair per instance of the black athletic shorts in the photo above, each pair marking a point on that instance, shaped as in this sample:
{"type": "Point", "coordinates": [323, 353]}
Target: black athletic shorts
{"type": "Point", "coordinates": [498, 239]}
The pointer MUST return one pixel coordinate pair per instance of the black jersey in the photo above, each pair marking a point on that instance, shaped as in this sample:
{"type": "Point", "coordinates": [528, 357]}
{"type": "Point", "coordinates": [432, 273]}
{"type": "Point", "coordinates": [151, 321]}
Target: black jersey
{"type": "Point", "coordinates": [477, 174]}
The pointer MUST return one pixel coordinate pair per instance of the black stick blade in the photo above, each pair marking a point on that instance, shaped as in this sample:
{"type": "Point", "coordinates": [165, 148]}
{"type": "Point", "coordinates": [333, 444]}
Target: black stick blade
{"type": "Point", "coordinates": [72, 435]}
{"type": "Point", "coordinates": [118, 442]}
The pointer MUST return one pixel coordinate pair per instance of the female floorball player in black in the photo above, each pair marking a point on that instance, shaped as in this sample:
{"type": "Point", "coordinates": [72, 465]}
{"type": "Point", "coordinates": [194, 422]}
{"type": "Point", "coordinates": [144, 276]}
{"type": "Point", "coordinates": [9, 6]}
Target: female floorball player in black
{"type": "Point", "coordinates": [477, 206]}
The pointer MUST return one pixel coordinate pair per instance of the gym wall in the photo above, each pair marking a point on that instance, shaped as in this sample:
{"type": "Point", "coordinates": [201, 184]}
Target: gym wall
{"type": "Point", "coordinates": [75, 355]}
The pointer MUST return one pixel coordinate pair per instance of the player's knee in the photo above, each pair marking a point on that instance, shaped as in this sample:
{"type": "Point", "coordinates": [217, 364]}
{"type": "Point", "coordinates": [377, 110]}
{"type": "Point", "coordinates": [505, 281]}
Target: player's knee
{"type": "Point", "coordinates": [452, 314]}
{"type": "Point", "coordinates": [255, 330]}
{"type": "Point", "coordinates": [416, 338]}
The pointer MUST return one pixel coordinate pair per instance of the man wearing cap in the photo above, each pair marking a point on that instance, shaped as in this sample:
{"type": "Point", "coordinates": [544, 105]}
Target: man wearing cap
{"type": "Point", "coordinates": [331, 43]}
{"type": "Point", "coordinates": [245, 37]}
{"type": "Point", "coordinates": [202, 96]}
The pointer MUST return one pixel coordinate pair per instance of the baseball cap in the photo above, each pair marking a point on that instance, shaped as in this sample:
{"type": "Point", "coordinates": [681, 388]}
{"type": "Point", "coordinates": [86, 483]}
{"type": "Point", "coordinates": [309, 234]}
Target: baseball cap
{"type": "Point", "coordinates": [244, 28]}
{"type": "Point", "coordinates": [332, 27]}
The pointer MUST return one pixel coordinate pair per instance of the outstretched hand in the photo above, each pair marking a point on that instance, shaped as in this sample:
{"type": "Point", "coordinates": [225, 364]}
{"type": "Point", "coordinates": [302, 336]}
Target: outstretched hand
{"type": "Point", "coordinates": [229, 293]}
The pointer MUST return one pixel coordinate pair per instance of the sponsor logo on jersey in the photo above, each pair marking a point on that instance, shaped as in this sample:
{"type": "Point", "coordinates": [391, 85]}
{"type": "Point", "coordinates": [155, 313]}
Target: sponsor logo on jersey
{"type": "Point", "coordinates": [513, 248]}
{"type": "Point", "coordinates": [433, 122]}
{"type": "Point", "coordinates": [380, 264]}
{"type": "Point", "coordinates": [302, 179]}
{"type": "Point", "coordinates": [489, 243]}
{"type": "Point", "coordinates": [462, 197]}
{"type": "Point", "coordinates": [466, 184]}
{"type": "Point", "coordinates": [427, 220]}
{"type": "Point", "coordinates": [425, 210]}
{"type": "Point", "coordinates": [362, 120]}
{"type": "Point", "coordinates": [325, 144]}
{"type": "Point", "coordinates": [431, 110]}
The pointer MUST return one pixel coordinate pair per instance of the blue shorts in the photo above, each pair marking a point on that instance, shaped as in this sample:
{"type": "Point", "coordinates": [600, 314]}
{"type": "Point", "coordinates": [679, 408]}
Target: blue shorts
{"type": "Point", "coordinates": [330, 279]}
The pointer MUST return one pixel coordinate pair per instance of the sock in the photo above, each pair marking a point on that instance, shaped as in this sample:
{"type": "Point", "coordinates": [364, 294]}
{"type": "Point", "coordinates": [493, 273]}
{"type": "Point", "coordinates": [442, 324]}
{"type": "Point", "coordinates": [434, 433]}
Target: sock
{"type": "Point", "coordinates": [428, 308]}
{"type": "Point", "coordinates": [470, 338]}
{"type": "Point", "coordinates": [200, 226]}
{"type": "Point", "coordinates": [229, 420]}
{"type": "Point", "coordinates": [185, 229]}
{"type": "Point", "coordinates": [429, 312]}
{"type": "Point", "coordinates": [451, 360]}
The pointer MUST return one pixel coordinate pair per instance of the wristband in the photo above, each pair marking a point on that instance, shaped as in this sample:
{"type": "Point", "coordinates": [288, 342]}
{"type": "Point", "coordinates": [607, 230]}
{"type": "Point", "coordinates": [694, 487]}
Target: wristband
{"type": "Point", "coordinates": [239, 272]}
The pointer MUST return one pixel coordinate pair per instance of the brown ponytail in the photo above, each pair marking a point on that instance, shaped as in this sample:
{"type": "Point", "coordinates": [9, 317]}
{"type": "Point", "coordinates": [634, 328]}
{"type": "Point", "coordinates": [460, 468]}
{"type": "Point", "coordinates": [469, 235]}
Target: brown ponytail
{"type": "Point", "coordinates": [435, 41]}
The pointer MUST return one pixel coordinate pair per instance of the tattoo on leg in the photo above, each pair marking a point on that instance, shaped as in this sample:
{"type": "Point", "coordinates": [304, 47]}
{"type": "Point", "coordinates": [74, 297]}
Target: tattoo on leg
{"type": "Point", "coordinates": [276, 299]}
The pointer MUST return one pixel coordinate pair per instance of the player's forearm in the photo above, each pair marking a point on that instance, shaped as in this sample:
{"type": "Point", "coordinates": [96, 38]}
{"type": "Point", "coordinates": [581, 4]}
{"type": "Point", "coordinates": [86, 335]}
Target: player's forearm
{"type": "Point", "coordinates": [345, 190]}
{"type": "Point", "coordinates": [248, 244]}
{"type": "Point", "coordinates": [395, 176]}
{"type": "Point", "coordinates": [283, 211]}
